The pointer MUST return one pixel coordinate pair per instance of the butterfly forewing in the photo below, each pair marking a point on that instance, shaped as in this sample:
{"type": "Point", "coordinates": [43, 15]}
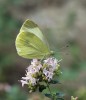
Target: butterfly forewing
{"type": "Point", "coordinates": [30, 26]}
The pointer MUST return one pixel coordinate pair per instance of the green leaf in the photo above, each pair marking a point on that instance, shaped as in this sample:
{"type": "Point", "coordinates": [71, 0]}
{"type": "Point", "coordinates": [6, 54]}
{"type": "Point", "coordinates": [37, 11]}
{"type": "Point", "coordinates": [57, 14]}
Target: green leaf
{"type": "Point", "coordinates": [59, 94]}
{"type": "Point", "coordinates": [54, 82]}
{"type": "Point", "coordinates": [41, 88]}
{"type": "Point", "coordinates": [59, 99]}
{"type": "Point", "coordinates": [48, 95]}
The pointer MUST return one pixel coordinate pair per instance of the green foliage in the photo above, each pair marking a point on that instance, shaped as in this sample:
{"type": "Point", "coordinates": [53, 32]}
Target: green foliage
{"type": "Point", "coordinates": [16, 2]}
{"type": "Point", "coordinates": [53, 93]}
{"type": "Point", "coordinates": [16, 94]}
{"type": "Point", "coordinates": [55, 96]}
{"type": "Point", "coordinates": [81, 93]}
{"type": "Point", "coordinates": [8, 26]}
{"type": "Point", "coordinates": [41, 88]}
{"type": "Point", "coordinates": [54, 81]}
{"type": "Point", "coordinates": [48, 95]}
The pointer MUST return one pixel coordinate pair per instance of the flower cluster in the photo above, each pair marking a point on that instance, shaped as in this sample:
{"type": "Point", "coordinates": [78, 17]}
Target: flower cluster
{"type": "Point", "coordinates": [51, 65]}
{"type": "Point", "coordinates": [40, 71]}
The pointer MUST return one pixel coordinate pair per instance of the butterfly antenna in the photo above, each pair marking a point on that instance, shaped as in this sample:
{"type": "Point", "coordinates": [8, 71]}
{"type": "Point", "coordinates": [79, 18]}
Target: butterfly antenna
{"type": "Point", "coordinates": [61, 49]}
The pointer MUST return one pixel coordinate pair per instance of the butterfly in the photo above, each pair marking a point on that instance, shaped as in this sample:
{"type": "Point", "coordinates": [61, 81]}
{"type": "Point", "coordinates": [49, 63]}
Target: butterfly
{"type": "Point", "coordinates": [31, 43]}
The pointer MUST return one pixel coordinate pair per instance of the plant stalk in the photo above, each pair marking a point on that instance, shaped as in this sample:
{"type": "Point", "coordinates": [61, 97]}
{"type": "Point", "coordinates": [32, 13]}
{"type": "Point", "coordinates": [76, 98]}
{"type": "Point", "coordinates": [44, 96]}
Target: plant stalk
{"type": "Point", "coordinates": [53, 98]}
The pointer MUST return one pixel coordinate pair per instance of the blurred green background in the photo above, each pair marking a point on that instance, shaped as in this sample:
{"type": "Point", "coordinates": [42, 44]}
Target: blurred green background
{"type": "Point", "coordinates": [63, 22]}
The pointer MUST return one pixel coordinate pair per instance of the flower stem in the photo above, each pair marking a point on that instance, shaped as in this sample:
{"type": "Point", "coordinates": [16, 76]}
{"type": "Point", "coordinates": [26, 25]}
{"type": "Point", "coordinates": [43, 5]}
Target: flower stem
{"type": "Point", "coordinates": [50, 91]}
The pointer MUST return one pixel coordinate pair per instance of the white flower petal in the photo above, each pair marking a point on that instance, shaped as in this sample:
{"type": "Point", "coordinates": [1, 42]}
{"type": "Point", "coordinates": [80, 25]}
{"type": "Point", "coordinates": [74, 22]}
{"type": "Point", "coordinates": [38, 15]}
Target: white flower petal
{"type": "Point", "coordinates": [23, 82]}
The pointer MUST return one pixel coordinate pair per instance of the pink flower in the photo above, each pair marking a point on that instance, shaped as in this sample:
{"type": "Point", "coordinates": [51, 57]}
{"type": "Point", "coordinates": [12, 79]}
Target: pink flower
{"type": "Point", "coordinates": [52, 64]}
{"type": "Point", "coordinates": [51, 61]}
{"type": "Point", "coordinates": [30, 72]}
{"type": "Point", "coordinates": [48, 74]}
